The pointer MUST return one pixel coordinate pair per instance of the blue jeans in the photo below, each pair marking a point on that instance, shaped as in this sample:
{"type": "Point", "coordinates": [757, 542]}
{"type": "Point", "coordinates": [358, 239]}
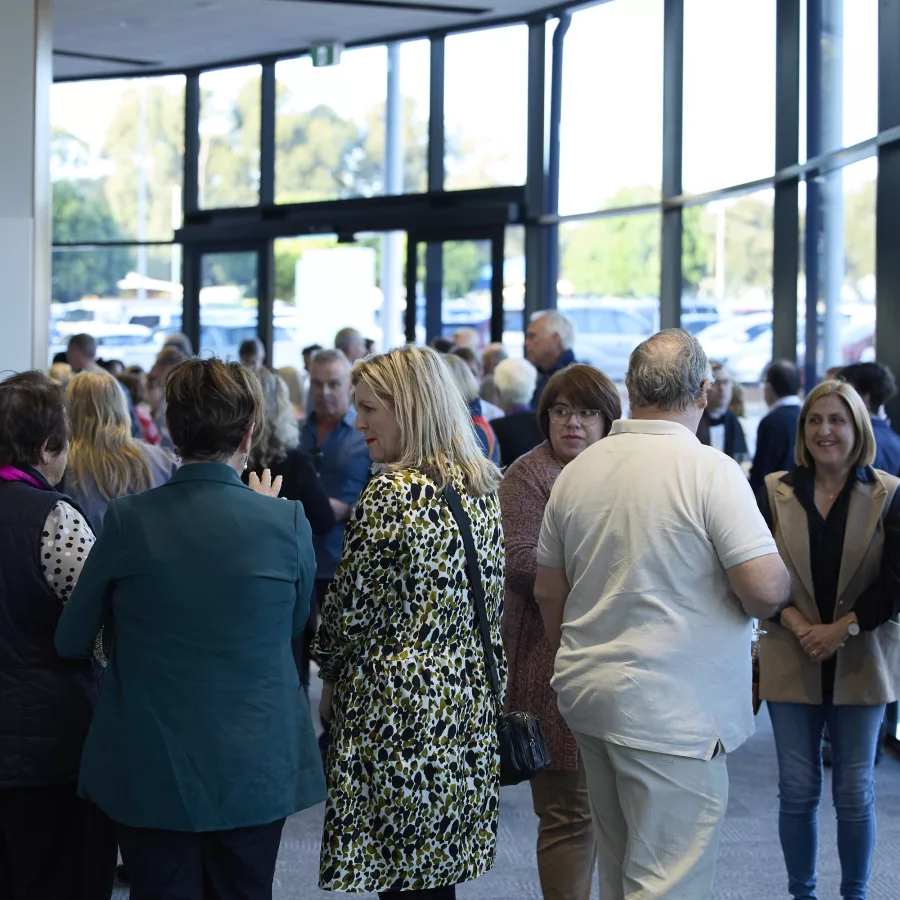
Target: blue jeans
{"type": "Point", "coordinates": [854, 731]}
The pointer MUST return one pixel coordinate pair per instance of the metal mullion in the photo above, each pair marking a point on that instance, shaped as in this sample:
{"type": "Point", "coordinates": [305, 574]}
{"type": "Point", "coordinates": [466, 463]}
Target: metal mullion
{"type": "Point", "coordinates": [671, 277]}
{"type": "Point", "coordinates": [786, 216]}
{"type": "Point", "coordinates": [436, 118]}
{"type": "Point", "coordinates": [412, 283]}
{"type": "Point", "coordinates": [191, 197]}
{"type": "Point", "coordinates": [535, 186]}
{"type": "Point", "coordinates": [497, 258]}
{"type": "Point", "coordinates": [267, 136]}
{"type": "Point", "coordinates": [813, 226]}
{"type": "Point", "coordinates": [887, 201]}
{"type": "Point", "coordinates": [551, 201]}
{"type": "Point", "coordinates": [191, 279]}
{"type": "Point", "coordinates": [265, 295]}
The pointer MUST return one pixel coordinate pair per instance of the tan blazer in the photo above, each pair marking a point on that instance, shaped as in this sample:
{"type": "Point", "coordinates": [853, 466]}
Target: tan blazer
{"type": "Point", "coordinates": [868, 666]}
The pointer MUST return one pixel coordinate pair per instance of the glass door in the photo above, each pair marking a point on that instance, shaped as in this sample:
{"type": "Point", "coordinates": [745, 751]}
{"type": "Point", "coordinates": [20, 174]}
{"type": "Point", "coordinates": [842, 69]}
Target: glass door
{"type": "Point", "coordinates": [458, 283]}
{"type": "Point", "coordinates": [229, 303]}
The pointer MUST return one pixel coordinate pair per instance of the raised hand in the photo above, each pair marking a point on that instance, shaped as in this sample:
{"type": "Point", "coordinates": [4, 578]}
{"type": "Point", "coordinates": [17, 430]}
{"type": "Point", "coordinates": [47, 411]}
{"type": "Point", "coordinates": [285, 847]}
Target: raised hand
{"type": "Point", "coordinates": [265, 485]}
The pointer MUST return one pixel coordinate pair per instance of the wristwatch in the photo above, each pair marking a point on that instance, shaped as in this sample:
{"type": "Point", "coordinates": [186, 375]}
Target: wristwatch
{"type": "Point", "coordinates": [852, 626]}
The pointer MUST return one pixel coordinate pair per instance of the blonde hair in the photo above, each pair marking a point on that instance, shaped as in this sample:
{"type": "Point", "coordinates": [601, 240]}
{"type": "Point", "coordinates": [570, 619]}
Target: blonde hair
{"type": "Point", "coordinates": [279, 432]}
{"type": "Point", "coordinates": [463, 376]}
{"type": "Point", "coordinates": [102, 448]}
{"type": "Point", "coordinates": [436, 431]}
{"type": "Point", "coordinates": [864, 445]}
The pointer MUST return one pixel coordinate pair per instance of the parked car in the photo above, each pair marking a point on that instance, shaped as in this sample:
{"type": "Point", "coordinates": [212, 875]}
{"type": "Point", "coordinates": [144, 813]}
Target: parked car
{"type": "Point", "coordinates": [134, 345]}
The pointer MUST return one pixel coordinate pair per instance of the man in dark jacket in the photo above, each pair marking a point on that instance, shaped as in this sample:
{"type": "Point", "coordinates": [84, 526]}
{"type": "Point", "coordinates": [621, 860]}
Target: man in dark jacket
{"type": "Point", "coordinates": [778, 429]}
{"type": "Point", "coordinates": [548, 347]}
{"type": "Point", "coordinates": [875, 383]}
{"type": "Point", "coordinates": [720, 427]}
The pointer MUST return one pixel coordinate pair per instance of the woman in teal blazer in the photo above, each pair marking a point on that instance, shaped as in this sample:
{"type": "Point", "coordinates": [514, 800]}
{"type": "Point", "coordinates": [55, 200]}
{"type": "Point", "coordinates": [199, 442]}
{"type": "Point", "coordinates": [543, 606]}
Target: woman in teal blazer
{"type": "Point", "coordinates": [202, 742]}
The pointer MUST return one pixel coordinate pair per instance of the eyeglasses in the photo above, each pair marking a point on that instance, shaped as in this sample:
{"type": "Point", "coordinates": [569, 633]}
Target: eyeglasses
{"type": "Point", "coordinates": [564, 413]}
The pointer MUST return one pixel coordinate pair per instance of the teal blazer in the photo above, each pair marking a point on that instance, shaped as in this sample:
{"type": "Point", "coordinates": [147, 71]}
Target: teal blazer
{"type": "Point", "coordinates": [202, 724]}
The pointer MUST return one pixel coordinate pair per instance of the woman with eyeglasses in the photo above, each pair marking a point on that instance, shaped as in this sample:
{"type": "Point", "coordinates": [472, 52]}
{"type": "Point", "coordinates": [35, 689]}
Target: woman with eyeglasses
{"type": "Point", "coordinates": [577, 409]}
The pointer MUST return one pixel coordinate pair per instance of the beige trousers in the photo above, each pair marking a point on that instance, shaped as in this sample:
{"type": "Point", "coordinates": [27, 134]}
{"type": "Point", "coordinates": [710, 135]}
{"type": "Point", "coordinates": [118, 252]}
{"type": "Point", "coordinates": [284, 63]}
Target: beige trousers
{"type": "Point", "coordinates": [566, 846]}
{"type": "Point", "coordinates": [657, 818]}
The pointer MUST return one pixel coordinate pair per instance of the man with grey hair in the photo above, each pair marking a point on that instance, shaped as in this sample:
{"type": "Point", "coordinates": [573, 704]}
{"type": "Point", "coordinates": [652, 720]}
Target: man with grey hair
{"type": "Point", "coordinates": [652, 561]}
{"type": "Point", "coordinates": [549, 339]}
{"type": "Point", "coordinates": [514, 381]}
{"type": "Point", "coordinates": [341, 458]}
{"type": "Point", "coordinates": [351, 343]}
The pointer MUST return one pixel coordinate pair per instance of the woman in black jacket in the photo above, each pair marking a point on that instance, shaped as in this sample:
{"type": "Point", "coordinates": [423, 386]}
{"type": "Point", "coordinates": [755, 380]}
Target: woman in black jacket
{"type": "Point", "coordinates": [278, 450]}
{"type": "Point", "coordinates": [53, 846]}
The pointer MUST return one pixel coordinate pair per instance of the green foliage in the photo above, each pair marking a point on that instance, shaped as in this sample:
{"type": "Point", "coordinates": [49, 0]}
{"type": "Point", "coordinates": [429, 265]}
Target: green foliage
{"type": "Point", "coordinates": [80, 213]}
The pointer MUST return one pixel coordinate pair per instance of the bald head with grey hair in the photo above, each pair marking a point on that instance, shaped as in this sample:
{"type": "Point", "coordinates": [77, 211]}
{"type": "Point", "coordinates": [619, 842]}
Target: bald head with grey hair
{"type": "Point", "coordinates": [668, 373]}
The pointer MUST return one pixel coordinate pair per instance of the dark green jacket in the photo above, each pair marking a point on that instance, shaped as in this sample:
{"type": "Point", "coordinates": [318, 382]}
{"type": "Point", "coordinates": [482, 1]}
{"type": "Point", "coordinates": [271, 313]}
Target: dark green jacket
{"type": "Point", "coordinates": [201, 724]}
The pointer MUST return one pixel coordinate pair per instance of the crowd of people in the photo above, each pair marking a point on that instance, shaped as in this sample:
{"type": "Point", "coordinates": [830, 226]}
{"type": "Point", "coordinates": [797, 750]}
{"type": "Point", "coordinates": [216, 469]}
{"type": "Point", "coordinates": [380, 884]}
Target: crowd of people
{"type": "Point", "coordinates": [161, 613]}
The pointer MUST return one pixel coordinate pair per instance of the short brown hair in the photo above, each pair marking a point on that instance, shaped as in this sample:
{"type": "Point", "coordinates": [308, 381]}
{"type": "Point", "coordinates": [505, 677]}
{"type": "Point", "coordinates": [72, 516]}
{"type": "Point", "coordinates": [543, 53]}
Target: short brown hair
{"type": "Point", "coordinates": [864, 447]}
{"type": "Point", "coordinates": [583, 385]}
{"type": "Point", "coordinates": [136, 385]}
{"type": "Point", "coordinates": [32, 413]}
{"type": "Point", "coordinates": [210, 404]}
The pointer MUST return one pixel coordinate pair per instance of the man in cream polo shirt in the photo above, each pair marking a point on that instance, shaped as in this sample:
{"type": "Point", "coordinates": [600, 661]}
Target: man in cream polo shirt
{"type": "Point", "coordinates": [652, 561]}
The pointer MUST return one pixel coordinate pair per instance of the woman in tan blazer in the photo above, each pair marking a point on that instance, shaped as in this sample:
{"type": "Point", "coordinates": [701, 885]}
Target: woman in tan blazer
{"type": "Point", "coordinates": [833, 656]}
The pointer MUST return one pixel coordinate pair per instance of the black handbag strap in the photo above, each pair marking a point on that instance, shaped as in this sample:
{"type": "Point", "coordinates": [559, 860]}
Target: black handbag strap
{"type": "Point", "coordinates": [484, 626]}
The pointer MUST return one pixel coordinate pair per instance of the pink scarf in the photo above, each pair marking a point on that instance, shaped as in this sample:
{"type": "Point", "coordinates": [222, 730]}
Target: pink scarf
{"type": "Point", "coordinates": [11, 473]}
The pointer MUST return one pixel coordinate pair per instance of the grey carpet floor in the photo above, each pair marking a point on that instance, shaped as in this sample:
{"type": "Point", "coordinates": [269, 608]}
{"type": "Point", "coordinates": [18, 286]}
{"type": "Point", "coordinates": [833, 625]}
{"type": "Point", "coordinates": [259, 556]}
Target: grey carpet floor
{"type": "Point", "coordinates": [750, 866]}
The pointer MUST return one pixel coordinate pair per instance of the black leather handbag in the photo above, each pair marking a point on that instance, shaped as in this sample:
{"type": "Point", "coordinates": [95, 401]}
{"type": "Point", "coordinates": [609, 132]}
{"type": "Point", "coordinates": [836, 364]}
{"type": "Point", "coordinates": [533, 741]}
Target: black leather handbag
{"type": "Point", "coordinates": [523, 747]}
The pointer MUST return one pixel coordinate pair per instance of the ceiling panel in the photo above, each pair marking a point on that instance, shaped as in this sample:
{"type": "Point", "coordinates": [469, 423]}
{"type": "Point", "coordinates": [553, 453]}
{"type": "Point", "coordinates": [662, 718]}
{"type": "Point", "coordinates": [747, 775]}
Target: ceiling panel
{"type": "Point", "coordinates": [180, 34]}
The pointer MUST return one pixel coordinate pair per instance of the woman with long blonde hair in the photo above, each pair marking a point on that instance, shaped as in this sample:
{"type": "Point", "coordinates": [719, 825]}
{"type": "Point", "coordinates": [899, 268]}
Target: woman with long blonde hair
{"type": "Point", "coordinates": [413, 769]}
{"type": "Point", "coordinates": [105, 461]}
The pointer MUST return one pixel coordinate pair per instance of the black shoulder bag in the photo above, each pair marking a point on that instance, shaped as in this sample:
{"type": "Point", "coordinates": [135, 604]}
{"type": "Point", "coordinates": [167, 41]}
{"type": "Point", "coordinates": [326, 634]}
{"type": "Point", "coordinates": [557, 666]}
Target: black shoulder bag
{"type": "Point", "coordinates": [523, 748]}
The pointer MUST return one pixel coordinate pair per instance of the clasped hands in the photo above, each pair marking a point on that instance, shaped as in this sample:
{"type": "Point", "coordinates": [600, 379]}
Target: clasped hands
{"type": "Point", "coordinates": [818, 642]}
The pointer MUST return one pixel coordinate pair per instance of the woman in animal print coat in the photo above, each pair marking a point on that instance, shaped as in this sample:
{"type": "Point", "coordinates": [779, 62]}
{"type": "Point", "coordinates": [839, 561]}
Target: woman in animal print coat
{"type": "Point", "coordinates": [413, 769]}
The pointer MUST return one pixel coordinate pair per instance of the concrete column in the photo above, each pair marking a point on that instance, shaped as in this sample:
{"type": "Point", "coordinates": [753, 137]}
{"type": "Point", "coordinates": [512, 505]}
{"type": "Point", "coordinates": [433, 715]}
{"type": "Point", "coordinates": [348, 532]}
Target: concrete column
{"type": "Point", "coordinates": [26, 74]}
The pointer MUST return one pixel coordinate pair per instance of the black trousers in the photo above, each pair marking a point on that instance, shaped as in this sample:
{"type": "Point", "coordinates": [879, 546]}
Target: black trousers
{"type": "Point", "coordinates": [213, 865]}
{"type": "Point", "coordinates": [54, 846]}
{"type": "Point", "coordinates": [301, 645]}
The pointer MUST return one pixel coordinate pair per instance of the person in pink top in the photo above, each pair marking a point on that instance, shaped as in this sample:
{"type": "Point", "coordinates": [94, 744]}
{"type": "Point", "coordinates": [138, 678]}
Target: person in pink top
{"type": "Point", "coordinates": [577, 409]}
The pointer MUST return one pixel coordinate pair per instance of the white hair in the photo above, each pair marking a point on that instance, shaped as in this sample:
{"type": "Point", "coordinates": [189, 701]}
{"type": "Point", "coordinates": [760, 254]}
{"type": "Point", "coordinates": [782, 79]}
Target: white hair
{"type": "Point", "coordinates": [558, 323]}
{"type": "Point", "coordinates": [515, 380]}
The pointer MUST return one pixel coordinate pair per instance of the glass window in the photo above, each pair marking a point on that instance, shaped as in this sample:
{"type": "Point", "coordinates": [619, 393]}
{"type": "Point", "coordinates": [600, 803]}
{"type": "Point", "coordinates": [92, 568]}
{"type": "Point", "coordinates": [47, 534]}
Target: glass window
{"type": "Point", "coordinates": [228, 159]}
{"type": "Point", "coordinates": [330, 127]}
{"type": "Point", "coordinates": [117, 158]}
{"type": "Point", "coordinates": [727, 275]}
{"type": "Point", "coordinates": [415, 91]}
{"type": "Point", "coordinates": [486, 108]}
{"type": "Point", "coordinates": [228, 303]}
{"type": "Point", "coordinates": [729, 93]}
{"type": "Point", "coordinates": [613, 65]}
{"type": "Point", "coordinates": [467, 288]}
{"type": "Point", "coordinates": [609, 286]}
{"type": "Point", "coordinates": [846, 290]}
{"type": "Point", "coordinates": [129, 298]}
{"type": "Point", "coordinates": [514, 290]}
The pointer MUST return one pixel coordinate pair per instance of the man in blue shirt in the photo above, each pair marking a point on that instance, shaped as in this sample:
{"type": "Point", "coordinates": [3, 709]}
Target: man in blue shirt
{"type": "Point", "coordinates": [875, 383]}
{"type": "Point", "coordinates": [342, 460]}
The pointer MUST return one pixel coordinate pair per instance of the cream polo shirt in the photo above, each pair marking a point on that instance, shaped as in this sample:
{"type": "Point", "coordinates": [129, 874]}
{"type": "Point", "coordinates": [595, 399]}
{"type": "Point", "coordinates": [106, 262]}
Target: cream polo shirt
{"type": "Point", "coordinates": [655, 649]}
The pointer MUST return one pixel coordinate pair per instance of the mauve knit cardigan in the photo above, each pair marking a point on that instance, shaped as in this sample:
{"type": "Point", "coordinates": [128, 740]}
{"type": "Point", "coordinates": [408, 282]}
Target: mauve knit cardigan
{"type": "Point", "coordinates": [524, 493]}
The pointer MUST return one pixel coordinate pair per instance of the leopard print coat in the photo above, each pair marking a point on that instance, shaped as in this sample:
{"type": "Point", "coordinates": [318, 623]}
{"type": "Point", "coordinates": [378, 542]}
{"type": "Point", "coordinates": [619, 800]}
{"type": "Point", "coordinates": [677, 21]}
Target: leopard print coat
{"type": "Point", "coordinates": [413, 769]}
